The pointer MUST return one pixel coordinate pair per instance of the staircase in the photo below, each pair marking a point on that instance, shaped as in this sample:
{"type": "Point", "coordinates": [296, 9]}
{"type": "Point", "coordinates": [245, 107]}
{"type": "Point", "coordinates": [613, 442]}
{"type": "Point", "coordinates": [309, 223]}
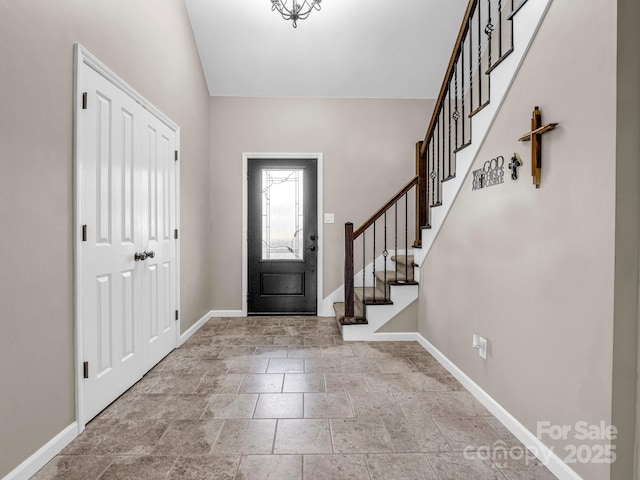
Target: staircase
{"type": "Point", "coordinates": [492, 42]}
{"type": "Point", "coordinates": [373, 305]}
{"type": "Point", "coordinates": [380, 292]}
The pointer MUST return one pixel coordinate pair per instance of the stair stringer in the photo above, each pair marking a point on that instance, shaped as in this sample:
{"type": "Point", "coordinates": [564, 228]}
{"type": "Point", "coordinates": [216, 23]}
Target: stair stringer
{"type": "Point", "coordinates": [526, 24]}
{"type": "Point", "coordinates": [378, 315]}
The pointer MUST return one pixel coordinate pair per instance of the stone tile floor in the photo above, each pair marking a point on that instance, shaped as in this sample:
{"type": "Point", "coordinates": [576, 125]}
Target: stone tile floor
{"type": "Point", "coordinates": [284, 398]}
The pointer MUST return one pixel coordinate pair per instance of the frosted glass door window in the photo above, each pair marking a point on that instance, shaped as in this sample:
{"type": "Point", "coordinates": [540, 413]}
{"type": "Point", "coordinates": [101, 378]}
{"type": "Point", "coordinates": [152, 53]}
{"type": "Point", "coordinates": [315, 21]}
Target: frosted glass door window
{"type": "Point", "coordinates": [282, 214]}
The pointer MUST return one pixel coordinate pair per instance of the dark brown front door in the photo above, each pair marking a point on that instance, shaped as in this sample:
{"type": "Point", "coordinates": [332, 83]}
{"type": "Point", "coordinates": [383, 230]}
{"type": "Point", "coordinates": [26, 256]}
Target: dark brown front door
{"type": "Point", "coordinates": [282, 236]}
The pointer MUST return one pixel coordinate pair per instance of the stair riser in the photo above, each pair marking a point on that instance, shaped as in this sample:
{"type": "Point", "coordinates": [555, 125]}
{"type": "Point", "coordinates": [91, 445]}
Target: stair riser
{"type": "Point", "coordinates": [369, 296]}
{"type": "Point", "coordinates": [391, 279]}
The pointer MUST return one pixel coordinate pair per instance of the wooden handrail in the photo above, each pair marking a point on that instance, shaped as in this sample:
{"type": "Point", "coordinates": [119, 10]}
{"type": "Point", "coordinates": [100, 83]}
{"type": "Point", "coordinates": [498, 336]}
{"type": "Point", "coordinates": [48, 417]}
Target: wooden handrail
{"type": "Point", "coordinates": [387, 206]}
{"type": "Point", "coordinates": [464, 28]}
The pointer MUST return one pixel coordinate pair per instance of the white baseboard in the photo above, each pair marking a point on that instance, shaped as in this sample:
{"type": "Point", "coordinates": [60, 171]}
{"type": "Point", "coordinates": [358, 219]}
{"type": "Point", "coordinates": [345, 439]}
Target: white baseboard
{"type": "Point", "coordinates": [227, 313]}
{"type": "Point", "coordinates": [392, 337]}
{"type": "Point", "coordinates": [195, 327]}
{"type": "Point", "coordinates": [211, 314]}
{"type": "Point", "coordinates": [539, 449]}
{"type": "Point", "coordinates": [39, 459]}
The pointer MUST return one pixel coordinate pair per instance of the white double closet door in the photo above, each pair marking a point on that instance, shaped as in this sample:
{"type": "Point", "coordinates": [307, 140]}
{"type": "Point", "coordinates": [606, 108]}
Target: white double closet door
{"type": "Point", "coordinates": [128, 279]}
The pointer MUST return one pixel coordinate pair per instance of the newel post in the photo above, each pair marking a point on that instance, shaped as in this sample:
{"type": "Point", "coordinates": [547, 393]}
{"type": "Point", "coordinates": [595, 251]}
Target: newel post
{"type": "Point", "coordinates": [421, 194]}
{"type": "Point", "coordinates": [348, 271]}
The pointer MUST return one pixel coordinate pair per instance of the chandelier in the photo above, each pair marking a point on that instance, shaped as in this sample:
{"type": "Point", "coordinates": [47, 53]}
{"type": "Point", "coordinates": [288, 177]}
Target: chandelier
{"type": "Point", "coordinates": [294, 11]}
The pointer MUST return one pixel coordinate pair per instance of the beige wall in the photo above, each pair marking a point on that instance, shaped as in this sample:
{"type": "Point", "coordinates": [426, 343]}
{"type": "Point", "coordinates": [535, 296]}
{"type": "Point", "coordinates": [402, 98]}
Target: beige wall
{"type": "Point", "coordinates": [405, 321]}
{"type": "Point", "coordinates": [625, 352]}
{"type": "Point", "coordinates": [368, 148]}
{"type": "Point", "coordinates": [536, 267]}
{"type": "Point", "coordinates": [150, 45]}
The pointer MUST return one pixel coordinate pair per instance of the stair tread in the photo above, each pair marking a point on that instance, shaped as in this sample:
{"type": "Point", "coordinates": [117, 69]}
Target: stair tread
{"type": "Point", "coordinates": [369, 297]}
{"type": "Point", "coordinates": [338, 307]}
{"type": "Point", "coordinates": [399, 276]}
{"type": "Point", "coordinates": [404, 260]}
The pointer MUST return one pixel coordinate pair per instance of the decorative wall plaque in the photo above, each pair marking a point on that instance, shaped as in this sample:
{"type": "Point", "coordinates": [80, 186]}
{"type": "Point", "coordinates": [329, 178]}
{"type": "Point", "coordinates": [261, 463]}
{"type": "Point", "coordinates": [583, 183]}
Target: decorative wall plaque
{"type": "Point", "coordinates": [514, 164]}
{"type": "Point", "coordinates": [492, 173]}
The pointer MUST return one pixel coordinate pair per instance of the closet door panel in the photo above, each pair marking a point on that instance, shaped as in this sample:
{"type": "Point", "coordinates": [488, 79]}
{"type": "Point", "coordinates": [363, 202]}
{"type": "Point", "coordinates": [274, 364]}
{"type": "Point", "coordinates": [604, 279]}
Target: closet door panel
{"type": "Point", "coordinates": [109, 277]}
{"type": "Point", "coordinates": [159, 209]}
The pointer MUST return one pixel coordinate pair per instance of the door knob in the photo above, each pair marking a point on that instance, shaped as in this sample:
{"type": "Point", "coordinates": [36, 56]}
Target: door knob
{"type": "Point", "coordinates": [312, 248]}
{"type": "Point", "coordinates": [150, 254]}
{"type": "Point", "coordinates": [138, 257]}
{"type": "Point", "coordinates": [312, 237]}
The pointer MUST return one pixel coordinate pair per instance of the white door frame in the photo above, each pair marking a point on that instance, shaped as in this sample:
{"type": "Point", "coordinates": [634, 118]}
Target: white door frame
{"type": "Point", "coordinates": [320, 188]}
{"type": "Point", "coordinates": [84, 60]}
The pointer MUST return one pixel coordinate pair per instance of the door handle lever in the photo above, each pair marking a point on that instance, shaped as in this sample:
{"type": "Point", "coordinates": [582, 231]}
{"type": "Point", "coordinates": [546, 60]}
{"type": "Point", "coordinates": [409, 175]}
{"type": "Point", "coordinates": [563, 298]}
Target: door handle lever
{"type": "Point", "coordinates": [150, 254]}
{"type": "Point", "coordinates": [139, 257]}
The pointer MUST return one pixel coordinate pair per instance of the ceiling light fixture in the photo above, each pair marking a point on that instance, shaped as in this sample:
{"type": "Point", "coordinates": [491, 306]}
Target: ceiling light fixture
{"type": "Point", "coordinates": [294, 11]}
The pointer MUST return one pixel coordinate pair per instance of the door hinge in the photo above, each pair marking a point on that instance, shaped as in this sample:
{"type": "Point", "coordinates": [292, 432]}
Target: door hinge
{"type": "Point", "coordinates": [85, 369]}
{"type": "Point", "coordinates": [177, 315]}
{"type": "Point", "coordinates": [176, 155]}
{"type": "Point", "coordinates": [84, 233]}
{"type": "Point", "coordinates": [175, 234]}
{"type": "Point", "coordinates": [84, 100]}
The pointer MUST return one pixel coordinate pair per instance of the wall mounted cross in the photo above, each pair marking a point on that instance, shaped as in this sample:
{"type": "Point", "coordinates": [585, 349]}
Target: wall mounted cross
{"type": "Point", "coordinates": [535, 136]}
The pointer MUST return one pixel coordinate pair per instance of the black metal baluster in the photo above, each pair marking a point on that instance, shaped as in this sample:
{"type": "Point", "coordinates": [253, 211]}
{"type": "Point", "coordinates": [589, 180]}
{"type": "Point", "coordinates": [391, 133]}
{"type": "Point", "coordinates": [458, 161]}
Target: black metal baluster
{"type": "Point", "coordinates": [385, 253]}
{"type": "Point", "coordinates": [449, 175]}
{"type": "Point", "coordinates": [470, 30]}
{"type": "Point", "coordinates": [462, 75]}
{"type": "Point", "coordinates": [396, 239]}
{"type": "Point", "coordinates": [456, 112]}
{"type": "Point", "coordinates": [433, 171]}
{"type": "Point", "coordinates": [442, 152]}
{"type": "Point", "coordinates": [436, 162]}
{"type": "Point", "coordinates": [364, 268]}
{"type": "Point", "coordinates": [499, 29]}
{"type": "Point", "coordinates": [479, 57]}
{"type": "Point", "coordinates": [439, 158]}
{"type": "Point", "coordinates": [374, 262]}
{"type": "Point", "coordinates": [488, 30]}
{"type": "Point", "coordinates": [431, 167]}
{"type": "Point", "coordinates": [406, 237]}
{"type": "Point", "coordinates": [428, 192]}
{"type": "Point", "coordinates": [511, 29]}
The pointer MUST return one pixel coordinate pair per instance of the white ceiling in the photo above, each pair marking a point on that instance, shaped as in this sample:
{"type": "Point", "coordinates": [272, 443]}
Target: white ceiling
{"type": "Point", "coordinates": [350, 49]}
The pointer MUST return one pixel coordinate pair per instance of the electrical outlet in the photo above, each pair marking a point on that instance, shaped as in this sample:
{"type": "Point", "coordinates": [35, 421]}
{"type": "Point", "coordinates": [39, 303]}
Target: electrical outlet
{"type": "Point", "coordinates": [480, 343]}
